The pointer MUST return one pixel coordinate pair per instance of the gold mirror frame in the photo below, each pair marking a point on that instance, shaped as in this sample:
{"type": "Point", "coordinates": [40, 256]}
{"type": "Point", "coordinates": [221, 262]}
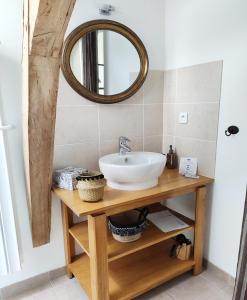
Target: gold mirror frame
{"type": "Point", "coordinates": [79, 32]}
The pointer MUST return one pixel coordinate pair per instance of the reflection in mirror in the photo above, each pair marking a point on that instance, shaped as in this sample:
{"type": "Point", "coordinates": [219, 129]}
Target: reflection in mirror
{"type": "Point", "coordinates": [105, 62]}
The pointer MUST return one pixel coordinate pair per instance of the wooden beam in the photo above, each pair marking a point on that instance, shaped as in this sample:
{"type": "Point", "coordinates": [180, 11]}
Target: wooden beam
{"type": "Point", "coordinates": [45, 23]}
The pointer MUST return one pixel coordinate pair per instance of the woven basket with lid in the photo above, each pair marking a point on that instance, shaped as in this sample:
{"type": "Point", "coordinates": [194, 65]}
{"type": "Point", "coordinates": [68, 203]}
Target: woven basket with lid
{"type": "Point", "coordinates": [91, 186]}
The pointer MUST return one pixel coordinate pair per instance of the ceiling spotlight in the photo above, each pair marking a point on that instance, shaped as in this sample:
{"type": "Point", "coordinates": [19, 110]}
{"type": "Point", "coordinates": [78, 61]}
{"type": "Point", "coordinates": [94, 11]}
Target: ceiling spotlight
{"type": "Point", "coordinates": [106, 10]}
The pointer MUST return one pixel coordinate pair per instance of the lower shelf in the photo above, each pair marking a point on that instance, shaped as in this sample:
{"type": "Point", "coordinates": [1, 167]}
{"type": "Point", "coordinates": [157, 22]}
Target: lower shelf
{"type": "Point", "coordinates": [135, 274]}
{"type": "Point", "coordinates": [152, 235]}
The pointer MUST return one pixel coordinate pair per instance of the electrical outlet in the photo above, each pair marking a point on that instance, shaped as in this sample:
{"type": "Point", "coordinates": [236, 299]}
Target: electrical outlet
{"type": "Point", "coordinates": [183, 118]}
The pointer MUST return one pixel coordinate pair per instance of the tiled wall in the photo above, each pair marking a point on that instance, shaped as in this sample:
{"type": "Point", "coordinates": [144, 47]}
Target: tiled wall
{"type": "Point", "coordinates": [86, 130]}
{"type": "Point", "coordinates": [195, 90]}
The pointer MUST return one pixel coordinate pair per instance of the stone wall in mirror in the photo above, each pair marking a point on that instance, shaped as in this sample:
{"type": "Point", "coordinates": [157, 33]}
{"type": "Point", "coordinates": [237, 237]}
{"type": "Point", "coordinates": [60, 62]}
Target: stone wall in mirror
{"type": "Point", "coordinates": [104, 61]}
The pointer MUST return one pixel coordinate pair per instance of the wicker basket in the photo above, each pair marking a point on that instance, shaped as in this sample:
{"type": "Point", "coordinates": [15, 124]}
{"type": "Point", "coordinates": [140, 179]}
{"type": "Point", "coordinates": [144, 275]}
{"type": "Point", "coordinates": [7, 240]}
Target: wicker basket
{"type": "Point", "coordinates": [128, 226]}
{"type": "Point", "coordinates": [91, 186]}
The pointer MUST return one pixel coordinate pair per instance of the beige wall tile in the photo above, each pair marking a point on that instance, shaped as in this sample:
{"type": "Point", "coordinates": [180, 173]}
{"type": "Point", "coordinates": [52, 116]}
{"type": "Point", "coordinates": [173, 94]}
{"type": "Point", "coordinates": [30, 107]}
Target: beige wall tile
{"type": "Point", "coordinates": [169, 120]}
{"type": "Point", "coordinates": [76, 124]}
{"type": "Point", "coordinates": [167, 141]}
{"type": "Point", "coordinates": [112, 146]}
{"type": "Point", "coordinates": [153, 119]}
{"type": "Point", "coordinates": [67, 96]}
{"type": "Point", "coordinates": [199, 83]}
{"type": "Point", "coordinates": [120, 120]}
{"type": "Point", "coordinates": [205, 151]}
{"type": "Point", "coordinates": [137, 98]}
{"type": "Point", "coordinates": [185, 205]}
{"type": "Point", "coordinates": [202, 120]}
{"type": "Point", "coordinates": [154, 87]}
{"type": "Point", "coordinates": [153, 144]}
{"type": "Point", "coordinates": [77, 155]}
{"type": "Point", "coordinates": [170, 85]}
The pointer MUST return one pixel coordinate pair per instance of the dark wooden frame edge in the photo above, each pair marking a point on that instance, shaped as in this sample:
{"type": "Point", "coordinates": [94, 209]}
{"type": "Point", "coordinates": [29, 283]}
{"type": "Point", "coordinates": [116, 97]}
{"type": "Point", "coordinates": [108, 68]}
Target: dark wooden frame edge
{"type": "Point", "coordinates": [84, 28]}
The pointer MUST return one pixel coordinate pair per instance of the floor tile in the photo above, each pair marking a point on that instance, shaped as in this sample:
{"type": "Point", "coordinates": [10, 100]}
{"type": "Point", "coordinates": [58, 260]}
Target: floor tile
{"type": "Point", "coordinates": [220, 295]}
{"type": "Point", "coordinates": [185, 287]}
{"type": "Point", "coordinates": [41, 293]}
{"type": "Point", "coordinates": [193, 288]}
{"type": "Point", "coordinates": [67, 289]}
{"type": "Point", "coordinates": [152, 296]}
{"type": "Point", "coordinates": [215, 278]}
{"type": "Point", "coordinates": [228, 292]}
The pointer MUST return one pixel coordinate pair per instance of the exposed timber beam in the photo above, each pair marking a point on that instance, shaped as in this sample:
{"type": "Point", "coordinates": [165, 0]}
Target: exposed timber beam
{"type": "Point", "coordinates": [45, 23]}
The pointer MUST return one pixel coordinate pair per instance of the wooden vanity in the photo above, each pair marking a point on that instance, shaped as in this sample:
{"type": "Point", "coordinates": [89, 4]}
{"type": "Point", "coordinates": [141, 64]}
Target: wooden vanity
{"type": "Point", "coordinates": [112, 270]}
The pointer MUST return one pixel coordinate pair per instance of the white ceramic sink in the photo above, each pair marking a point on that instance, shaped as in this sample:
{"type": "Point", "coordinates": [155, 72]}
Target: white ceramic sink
{"type": "Point", "coordinates": [133, 171]}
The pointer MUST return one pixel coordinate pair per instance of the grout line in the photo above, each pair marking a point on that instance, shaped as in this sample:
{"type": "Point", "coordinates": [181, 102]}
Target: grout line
{"type": "Point", "coordinates": [52, 283]}
{"type": "Point", "coordinates": [174, 112]}
{"type": "Point", "coordinates": [128, 104]}
{"type": "Point", "coordinates": [154, 135]}
{"type": "Point", "coordinates": [124, 104]}
{"type": "Point", "coordinates": [115, 104]}
{"type": "Point", "coordinates": [78, 143]}
{"type": "Point", "coordinates": [143, 130]}
{"type": "Point", "coordinates": [154, 103]}
{"type": "Point", "coordinates": [194, 139]}
{"type": "Point", "coordinates": [143, 120]}
{"type": "Point", "coordinates": [53, 289]}
{"type": "Point", "coordinates": [189, 138]}
{"type": "Point", "coordinates": [194, 103]}
{"type": "Point", "coordinates": [171, 296]}
{"type": "Point", "coordinates": [214, 284]}
{"type": "Point", "coordinates": [76, 105]}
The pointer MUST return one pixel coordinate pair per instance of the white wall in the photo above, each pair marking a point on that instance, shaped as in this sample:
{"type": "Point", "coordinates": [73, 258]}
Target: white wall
{"type": "Point", "coordinates": [139, 15]}
{"type": "Point", "coordinates": [142, 16]}
{"type": "Point", "coordinates": [199, 31]}
{"type": "Point", "coordinates": [120, 54]}
{"type": "Point", "coordinates": [76, 61]}
{"type": "Point", "coordinates": [37, 260]}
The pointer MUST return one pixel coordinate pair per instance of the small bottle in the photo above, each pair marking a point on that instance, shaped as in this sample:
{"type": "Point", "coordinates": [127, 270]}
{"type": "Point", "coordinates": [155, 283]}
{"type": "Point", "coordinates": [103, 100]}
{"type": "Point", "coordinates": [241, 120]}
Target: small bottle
{"type": "Point", "coordinates": [172, 159]}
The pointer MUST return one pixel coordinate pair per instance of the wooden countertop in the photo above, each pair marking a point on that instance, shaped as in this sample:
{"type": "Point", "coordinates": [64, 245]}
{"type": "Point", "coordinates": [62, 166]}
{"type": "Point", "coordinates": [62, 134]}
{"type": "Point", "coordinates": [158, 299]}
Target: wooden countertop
{"type": "Point", "coordinates": [171, 184]}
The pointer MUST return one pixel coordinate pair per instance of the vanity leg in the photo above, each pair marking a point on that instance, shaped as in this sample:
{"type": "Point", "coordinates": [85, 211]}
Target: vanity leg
{"type": "Point", "coordinates": [97, 233]}
{"type": "Point", "coordinates": [69, 243]}
{"type": "Point", "coordinates": [199, 229]}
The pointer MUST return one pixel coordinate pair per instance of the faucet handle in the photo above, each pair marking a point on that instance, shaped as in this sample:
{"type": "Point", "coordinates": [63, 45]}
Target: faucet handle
{"type": "Point", "coordinates": [124, 139]}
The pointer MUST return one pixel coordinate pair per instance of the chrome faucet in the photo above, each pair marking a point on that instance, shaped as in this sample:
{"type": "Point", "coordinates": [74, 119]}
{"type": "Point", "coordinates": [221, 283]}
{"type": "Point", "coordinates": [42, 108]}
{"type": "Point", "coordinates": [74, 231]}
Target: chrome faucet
{"type": "Point", "coordinates": [123, 146]}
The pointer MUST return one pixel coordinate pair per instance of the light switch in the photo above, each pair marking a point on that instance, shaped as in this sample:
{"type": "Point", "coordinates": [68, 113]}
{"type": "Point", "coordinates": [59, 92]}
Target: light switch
{"type": "Point", "coordinates": [183, 118]}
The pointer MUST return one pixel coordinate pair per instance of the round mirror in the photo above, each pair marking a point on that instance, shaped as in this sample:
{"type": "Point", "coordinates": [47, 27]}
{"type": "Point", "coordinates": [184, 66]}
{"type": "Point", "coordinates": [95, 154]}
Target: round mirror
{"type": "Point", "coordinates": [104, 61]}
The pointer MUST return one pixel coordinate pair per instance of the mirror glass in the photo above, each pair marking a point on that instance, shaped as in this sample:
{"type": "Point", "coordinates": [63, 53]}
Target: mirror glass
{"type": "Point", "coordinates": [105, 62]}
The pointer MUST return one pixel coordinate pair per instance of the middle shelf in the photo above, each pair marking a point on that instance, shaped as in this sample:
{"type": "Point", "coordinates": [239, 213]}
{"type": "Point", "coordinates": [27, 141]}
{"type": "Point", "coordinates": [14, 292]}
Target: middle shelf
{"type": "Point", "coordinates": [151, 236]}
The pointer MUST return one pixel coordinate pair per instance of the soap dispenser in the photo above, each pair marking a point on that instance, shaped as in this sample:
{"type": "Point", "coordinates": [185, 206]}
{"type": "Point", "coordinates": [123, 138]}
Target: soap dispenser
{"type": "Point", "coordinates": [172, 159]}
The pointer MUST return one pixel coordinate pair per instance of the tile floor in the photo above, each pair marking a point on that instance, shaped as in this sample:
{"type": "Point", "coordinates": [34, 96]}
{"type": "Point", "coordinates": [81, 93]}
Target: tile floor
{"type": "Point", "coordinates": [206, 286]}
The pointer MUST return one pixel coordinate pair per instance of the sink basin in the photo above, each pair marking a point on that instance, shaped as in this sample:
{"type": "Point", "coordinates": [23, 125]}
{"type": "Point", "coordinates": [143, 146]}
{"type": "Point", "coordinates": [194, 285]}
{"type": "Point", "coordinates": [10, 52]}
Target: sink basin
{"type": "Point", "coordinates": [133, 171]}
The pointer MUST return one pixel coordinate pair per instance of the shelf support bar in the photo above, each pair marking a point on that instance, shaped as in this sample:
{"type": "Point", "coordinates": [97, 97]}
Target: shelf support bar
{"type": "Point", "coordinates": [97, 234]}
{"type": "Point", "coordinates": [199, 229]}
